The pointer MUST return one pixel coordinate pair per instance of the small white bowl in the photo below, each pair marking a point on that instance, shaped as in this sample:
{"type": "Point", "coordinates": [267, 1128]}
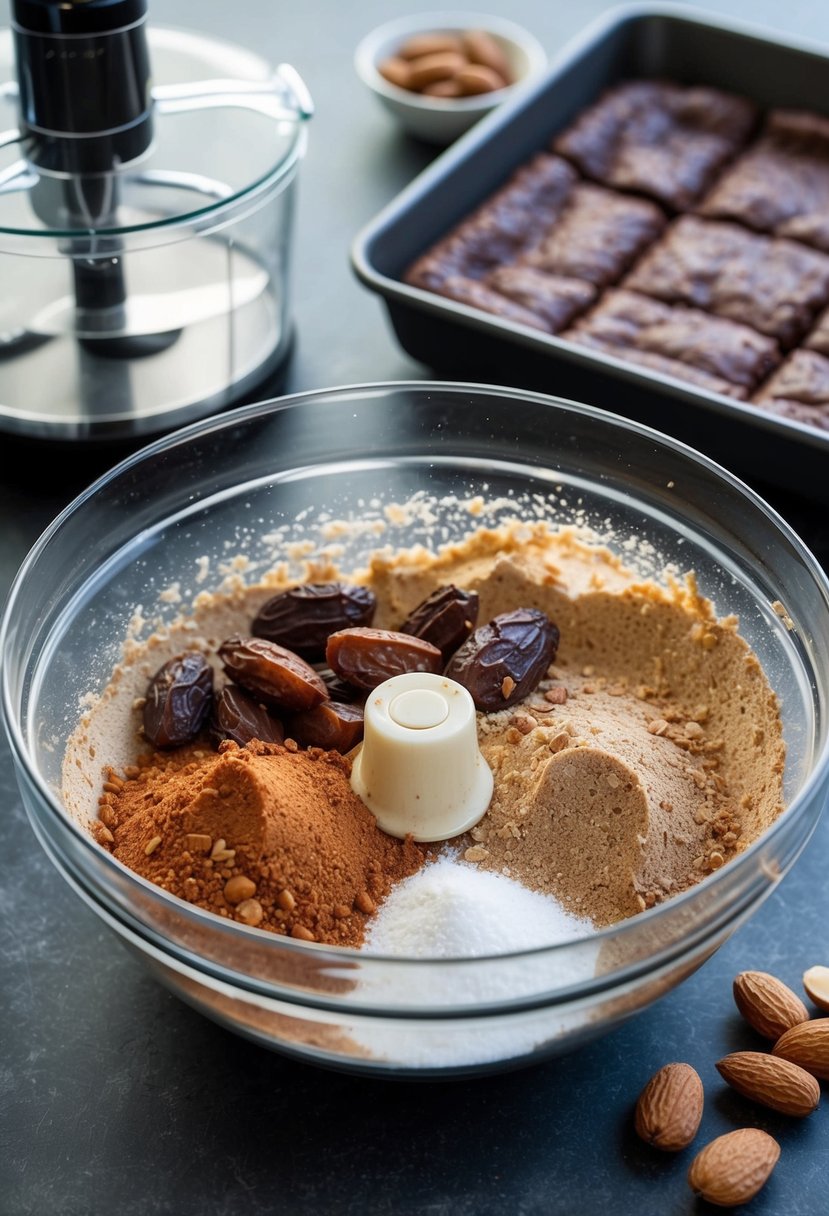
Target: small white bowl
{"type": "Point", "coordinates": [434, 119]}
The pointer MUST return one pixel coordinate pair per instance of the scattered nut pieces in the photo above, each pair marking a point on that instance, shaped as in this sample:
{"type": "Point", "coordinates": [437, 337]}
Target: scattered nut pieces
{"type": "Point", "coordinates": [238, 889]}
{"type": "Point", "coordinates": [816, 983]}
{"type": "Point", "coordinates": [732, 1168]}
{"type": "Point", "coordinates": [364, 903]}
{"type": "Point", "coordinates": [151, 845]}
{"type": "Point", "coordinates": [286, 901]}
{"type": "Point", "coordinates": [302, 934]}
{"type": "Point", "coordinates": [669, 1109]}
{"type": "Point", "coordinates": [250, 912]}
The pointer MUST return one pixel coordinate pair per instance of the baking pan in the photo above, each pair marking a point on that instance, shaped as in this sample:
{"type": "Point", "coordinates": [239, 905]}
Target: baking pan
{"type": "Point", "coordinates": [640, 40]}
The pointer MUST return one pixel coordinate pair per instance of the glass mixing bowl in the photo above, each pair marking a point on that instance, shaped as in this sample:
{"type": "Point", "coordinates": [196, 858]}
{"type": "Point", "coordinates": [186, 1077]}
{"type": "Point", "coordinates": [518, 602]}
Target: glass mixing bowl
{"type": "Point", "coordinates": [239, 490]}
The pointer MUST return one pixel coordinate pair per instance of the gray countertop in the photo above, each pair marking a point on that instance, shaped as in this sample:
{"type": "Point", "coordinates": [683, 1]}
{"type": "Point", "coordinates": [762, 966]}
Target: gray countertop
{"type": "Point", "coordinates": [116, 1098]}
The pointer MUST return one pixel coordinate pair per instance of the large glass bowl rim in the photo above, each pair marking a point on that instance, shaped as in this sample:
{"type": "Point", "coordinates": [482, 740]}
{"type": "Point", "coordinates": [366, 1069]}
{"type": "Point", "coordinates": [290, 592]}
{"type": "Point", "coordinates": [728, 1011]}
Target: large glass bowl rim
{"type": "Point", "coordinates": [240, 414]}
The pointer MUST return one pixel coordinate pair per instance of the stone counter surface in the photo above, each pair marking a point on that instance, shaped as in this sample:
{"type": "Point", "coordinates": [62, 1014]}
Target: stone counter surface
{"type": "Point", "coordinates": [116, 1098]}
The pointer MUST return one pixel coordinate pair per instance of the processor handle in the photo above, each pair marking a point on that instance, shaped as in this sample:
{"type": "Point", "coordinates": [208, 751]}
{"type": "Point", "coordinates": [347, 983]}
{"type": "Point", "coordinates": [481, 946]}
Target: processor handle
{"type": "Point", "coordinates": [284, 96]}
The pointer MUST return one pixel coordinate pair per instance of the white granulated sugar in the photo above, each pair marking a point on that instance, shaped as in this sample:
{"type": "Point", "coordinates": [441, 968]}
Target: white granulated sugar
{"type": "Point", "coordinates": [450, 909]}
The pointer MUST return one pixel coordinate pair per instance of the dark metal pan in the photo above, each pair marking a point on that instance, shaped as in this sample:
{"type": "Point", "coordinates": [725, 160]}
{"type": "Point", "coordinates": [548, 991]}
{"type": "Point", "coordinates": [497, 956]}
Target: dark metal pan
{"type": "Point", "coordinates": [632, 41]}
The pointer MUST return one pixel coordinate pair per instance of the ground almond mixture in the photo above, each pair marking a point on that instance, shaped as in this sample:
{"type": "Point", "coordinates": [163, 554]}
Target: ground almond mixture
{"type": "Point", "coordinates": [650, 753]}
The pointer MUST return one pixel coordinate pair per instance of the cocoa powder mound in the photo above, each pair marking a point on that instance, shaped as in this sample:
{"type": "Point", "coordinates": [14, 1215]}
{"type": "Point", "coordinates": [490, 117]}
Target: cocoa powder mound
{"type": "Point", "coordinates": [264, 834]}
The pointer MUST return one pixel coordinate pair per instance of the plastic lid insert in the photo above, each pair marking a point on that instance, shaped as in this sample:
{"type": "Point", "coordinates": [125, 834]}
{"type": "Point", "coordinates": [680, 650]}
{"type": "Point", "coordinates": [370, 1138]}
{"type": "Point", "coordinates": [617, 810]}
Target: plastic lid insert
{"type": "Point", "coordinates": [419, 769]}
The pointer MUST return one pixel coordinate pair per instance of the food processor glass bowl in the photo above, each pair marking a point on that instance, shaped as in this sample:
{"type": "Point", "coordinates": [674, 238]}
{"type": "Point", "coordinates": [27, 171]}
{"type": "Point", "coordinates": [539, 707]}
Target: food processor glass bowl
{"type": "Point", "coordinates": [144, 297]}
{"type": "Point", "coordinates": [250, 483]}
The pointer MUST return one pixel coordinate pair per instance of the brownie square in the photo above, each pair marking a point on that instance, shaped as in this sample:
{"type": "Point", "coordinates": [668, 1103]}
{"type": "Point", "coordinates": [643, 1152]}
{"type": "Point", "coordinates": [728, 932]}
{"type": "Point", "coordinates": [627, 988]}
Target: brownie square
{"type": "Point", "coordinates": [598, 235]}
{"type": "Point", "coordinates": [477, 295]}
{"type": "Point", "coordinates": [781, 183]}
{"type": "Point", "coordinates": [722, 356]}
{"type": "Point", "coordinates": [501, 227]}
{"type": "Point", "coordinates": [776, 286]}
{"type": "Point", "coordinates": [526, 296]}
{"type": "Point", "coordinates": [554, 298]}
{"type": "Point", "coordinates": [658, 138]}
{"type": "Point", "coordinates": [799, 389]}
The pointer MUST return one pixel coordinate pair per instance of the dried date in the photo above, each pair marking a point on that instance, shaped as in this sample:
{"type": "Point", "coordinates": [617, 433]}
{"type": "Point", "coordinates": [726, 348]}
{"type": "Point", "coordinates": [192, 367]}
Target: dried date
{"type": "Point", "coordinates": [367, 657]}
{"type": "Point", "coordinates": [338, 690]}
{"type": "Point", "coordinates": [302, 618]}
{"type": "Point", "coordinates": [333, 726]}
{"type": "Point", "coordinates": [445, 618]}
{"type": "Point", "coordinates": [275, 675]}
{"type": "Point", "coordinates": [240, 717]}
{"type": "Point", "coordinates": [500, 663]}
{"type": "Point", "coordinates": [178, 700]}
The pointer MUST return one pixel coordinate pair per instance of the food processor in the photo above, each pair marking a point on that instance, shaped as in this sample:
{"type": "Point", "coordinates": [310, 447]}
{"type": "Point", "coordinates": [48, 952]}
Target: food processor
{"type": "Point", "coordinates": [146, 196]}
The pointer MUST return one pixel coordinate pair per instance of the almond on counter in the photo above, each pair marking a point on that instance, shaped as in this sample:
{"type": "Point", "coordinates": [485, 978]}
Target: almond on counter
{"type": "Point", "coordinates": [732, 1168]}
{"type": "Point", "coordinates": [771, 1081]}
{"type": "Point", "coordinates": [767, 1004]}
{"type": "Point", "coordinates": [808, 1046]}
{"type": "Point", "coordinates": [816, 983]}
{"type": "Point", "coordinates": [669, 1109]}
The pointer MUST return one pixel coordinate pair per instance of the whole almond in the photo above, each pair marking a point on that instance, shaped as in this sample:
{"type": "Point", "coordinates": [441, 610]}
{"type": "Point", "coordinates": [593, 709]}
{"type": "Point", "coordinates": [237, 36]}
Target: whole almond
{"type": "Point", "coordinates": [396, 71]}
{"type": "Point", "coordinates": [816, 983]}
{"type": "Point", "coordinates": [767, 1003]}
{"type": "Point", "coordinates": [442, 88]}
{"type": "Point", "coordinates": [482, 48]}
{"type": "Point", "coordinates": [772, 1081]}
{"type": "Point", "coordinates": [439, 66]}
{"type": "Point", "coordinates": [808, 1046]}
{"type": "Point", "coordinates": [669, 1108]}
{"type": "Point", "coordinates": [428, 44]}
{"type": "Point", "coordinates": [475, 78]}
{"type": "Point", "coordinates": [734, 1167]}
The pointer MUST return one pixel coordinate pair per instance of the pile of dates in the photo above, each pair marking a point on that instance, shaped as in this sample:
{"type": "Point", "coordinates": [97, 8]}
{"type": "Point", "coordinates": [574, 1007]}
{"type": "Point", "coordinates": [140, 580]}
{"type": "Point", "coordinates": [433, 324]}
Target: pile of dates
{"type": "Point", "coordinates": [312, 657]}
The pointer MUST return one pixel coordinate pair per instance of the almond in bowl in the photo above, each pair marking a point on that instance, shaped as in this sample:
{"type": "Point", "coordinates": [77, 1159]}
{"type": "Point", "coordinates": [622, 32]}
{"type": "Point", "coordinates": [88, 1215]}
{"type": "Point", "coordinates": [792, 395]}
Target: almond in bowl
{"type": "Point", "coordinates": [439, 73]}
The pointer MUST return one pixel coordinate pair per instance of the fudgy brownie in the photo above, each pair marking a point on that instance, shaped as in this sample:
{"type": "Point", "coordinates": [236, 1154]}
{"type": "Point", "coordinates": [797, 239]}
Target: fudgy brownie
{"type": "Point", "coordinates": [501, 227]}
{"type": "Point", "coordinates": [714, 296]}
{"type": "Point", "coordinates": [781, 183]}
{"type": "Point", "coordinates": [723, 356]}
{"type": "Point", "coordinates": [598, 235]}
{"type": "Point", "coordinates": [776, 286]}
{"type": "Point", "coordinates": [523, 295]}
{"type": "Point", "coordinates": [556, 299]}
{"type": "Point", "coordinates": [477, 295]}
{"type": "Point", "coordinates": [658, 138]}
{"type": "Point", "coordinates": [799, 389]}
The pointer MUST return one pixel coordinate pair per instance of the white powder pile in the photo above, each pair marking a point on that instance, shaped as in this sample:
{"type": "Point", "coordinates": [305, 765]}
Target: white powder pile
{"type": "Point", "coordinates": [451, 909]}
